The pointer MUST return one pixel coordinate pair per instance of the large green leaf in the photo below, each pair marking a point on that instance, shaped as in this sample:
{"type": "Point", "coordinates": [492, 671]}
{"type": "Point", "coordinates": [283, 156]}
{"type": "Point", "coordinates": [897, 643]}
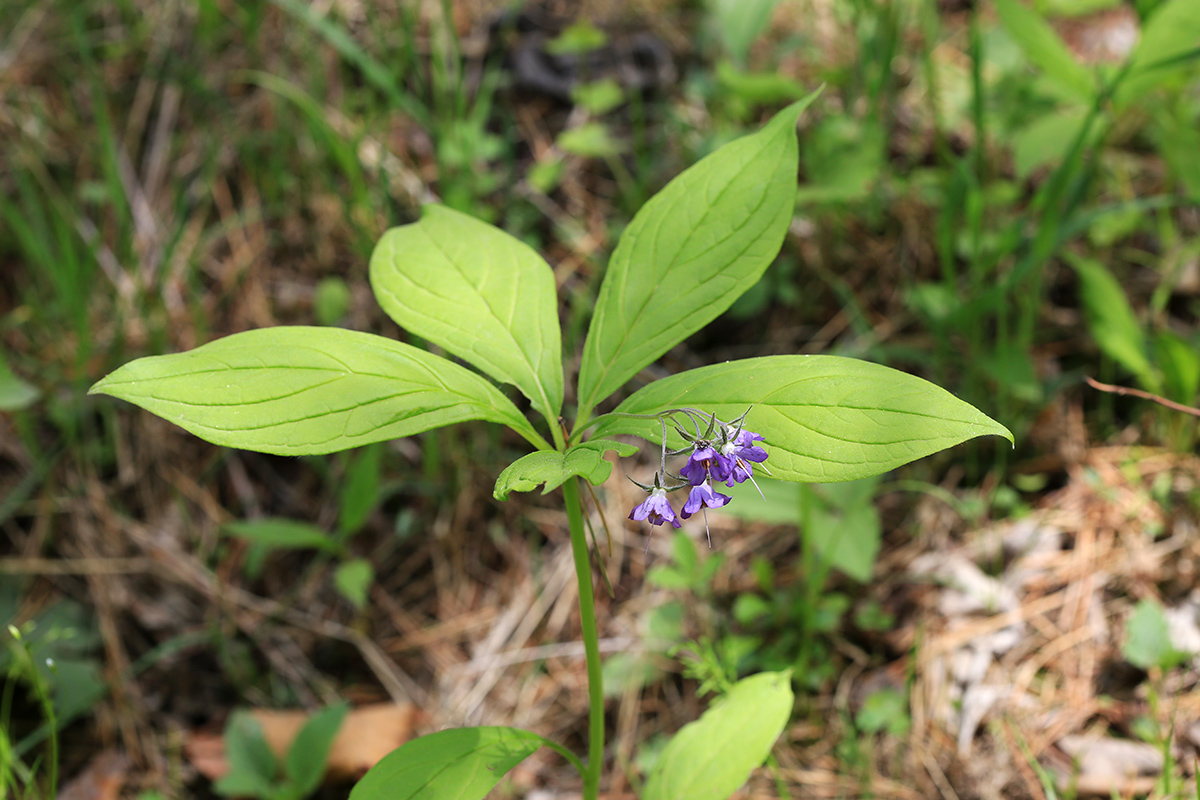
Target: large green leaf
{"type": "Point", "coordinates": [482, 294]}
{"type": "Point", "coordinates": [692, 250]}
{"type": "Point", "coordinates": [825, 418]}
{"type": "Point", "coordinates": [552, 468]}
{"type": "Point", "coordinates": [455, 764]}
{"type": "Point", "coordinates": [1043, 47]}
{"type": "Point", "coordinates": [299, 390]}
{"type": "Point", "coordinates": [710, 758]}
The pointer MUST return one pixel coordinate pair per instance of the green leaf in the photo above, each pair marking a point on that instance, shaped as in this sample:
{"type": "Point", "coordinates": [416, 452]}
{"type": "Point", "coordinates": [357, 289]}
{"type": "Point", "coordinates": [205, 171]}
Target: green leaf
{"type": "Point", "coordinates": [598, 97]}
{"type": "Point", "coordinates": [455, 764]}
{"type": "Point", "coordinates": [1148, 639]}
{"type": "Point", "coordinates": [1179, 362]}
{"type": "Point", "coordinates": [590, 140]}
{"type": "Point", "coordinates": [15, 394]}
{"type": "Point", "coordinates": [1043, 47]}
{"type": "Point", "coordinates": [825, 418]}
{"type": "Point", "coordinates": [251, 763]}
{"type": "Point", "coordinates": [297, 390]}
{"type": "Point", "coordinates": [309, 753]}
{"type": "Point", "coordinates": [360, 490]}
{"type": "Point", "coordinates": [758, 88]}
{"type": "Point", "coordinates": [1170, 35]}
{"type": "Point", "coordinates": [482, 294]}
{"type": "Point", "coordinates": [353, 580]}
{"type": "Point", "coordinates": [842, 525]}
{"type": "Point", "coordinates": [1111, 319]}
{"type": "Point", "coordinates": [282, 534]}
{"type": "Point", "coordinates": [710, 758]}
{"type": "Point", "coordinates": [692, 250]}
{"type": "Point", "coordinates": [737, 23]}
{"type": "Point", "coordinates": [554, 468]}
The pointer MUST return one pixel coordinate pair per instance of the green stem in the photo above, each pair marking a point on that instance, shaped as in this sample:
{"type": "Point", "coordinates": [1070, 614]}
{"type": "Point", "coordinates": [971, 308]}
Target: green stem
{"type": "Point", "coordinates": [591, 641]}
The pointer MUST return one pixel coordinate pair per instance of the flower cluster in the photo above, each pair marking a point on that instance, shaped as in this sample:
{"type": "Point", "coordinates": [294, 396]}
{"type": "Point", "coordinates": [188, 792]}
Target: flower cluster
{"type": "Point", "coordinates": [725, 453]}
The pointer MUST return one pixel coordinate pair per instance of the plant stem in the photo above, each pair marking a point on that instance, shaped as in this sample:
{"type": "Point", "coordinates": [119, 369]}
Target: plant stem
{"type": "Point", "coordinates": [591, 641]}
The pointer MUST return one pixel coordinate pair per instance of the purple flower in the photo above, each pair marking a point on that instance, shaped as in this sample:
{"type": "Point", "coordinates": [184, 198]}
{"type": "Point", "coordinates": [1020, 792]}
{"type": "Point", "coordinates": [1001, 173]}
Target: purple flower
{"type": "Point", "coordinates": [703, 496]}
{"type": "Point", "coordinates": [740, 449]}
{"type": "Point", "coordinates": [706, 460]}
{"type": "Point", "coordinates": [655, 509]}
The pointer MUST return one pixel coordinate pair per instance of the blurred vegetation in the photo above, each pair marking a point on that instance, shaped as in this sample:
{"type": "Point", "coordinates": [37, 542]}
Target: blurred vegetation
{"type": "Point", "coordinates": [1000, 196]}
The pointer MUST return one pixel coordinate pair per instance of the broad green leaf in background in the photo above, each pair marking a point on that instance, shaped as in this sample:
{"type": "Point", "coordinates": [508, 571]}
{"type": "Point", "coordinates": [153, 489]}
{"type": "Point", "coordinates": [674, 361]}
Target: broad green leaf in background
{"type": "Point", "coordinates": [825, 418]}
{"type": "Point", "coordinates": [309, 753]}
{"type": "Point", "coordinates": [1043, 47]}
{"type": "Point", "coordinates": [842, 525]}
{"type": "Point", "coordinates": [282, 534]}
{"type": "Point", "coordinates": [1111, 319]}
{"type": "Point", "coordinates": [737, 23]}
{"type": "Point", "coordinates": [296, 390]}
{"type": "Point", "coordinates": [553, 468]}
{"type": "Point", "coordinates": [1172, 31]}
{"type": "Point", "coordinates": [1047, 139]}
{"type": "Point", "coordinates": [710, 758]}
{"type": "Point", "coordinates": [353, 580]}
{"type": "Point", "coordinates": [692, 250]}
{"type": "Point", "coordinates": [455, 764]}
{"type": "Point", "coordinates": [843, 159]}
{"type": "Point", "coordinates": [482, 294]}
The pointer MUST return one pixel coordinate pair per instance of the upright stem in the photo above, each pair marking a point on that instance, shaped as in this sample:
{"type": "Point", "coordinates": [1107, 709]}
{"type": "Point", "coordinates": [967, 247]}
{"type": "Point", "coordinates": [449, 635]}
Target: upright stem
{"type": "Point", "coordinates": [591, 641]}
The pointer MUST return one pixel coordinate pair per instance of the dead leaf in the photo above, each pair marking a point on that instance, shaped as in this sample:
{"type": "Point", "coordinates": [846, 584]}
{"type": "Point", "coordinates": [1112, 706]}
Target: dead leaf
{"type": "Point", "coordinates": [102, 779]}
{"type": "Point", "coordinates": [367, 734]}
{"type": "Point", "coordinates": [1113, 765]}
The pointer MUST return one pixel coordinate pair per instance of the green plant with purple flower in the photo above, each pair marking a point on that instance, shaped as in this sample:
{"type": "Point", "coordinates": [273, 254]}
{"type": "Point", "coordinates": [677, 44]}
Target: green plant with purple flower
{"type": "Point", "coordinates": [488, 299]}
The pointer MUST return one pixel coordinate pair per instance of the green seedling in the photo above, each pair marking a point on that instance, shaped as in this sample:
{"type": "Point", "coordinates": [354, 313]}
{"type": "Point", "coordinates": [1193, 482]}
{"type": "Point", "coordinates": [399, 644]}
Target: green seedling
{"type": "Point", "coordinates": [254, 770]}
{"type": "Point", "coordinates": [1147, 639]}
{"type": "Point", "coordinates": [359, 496]}
{"type": "Point", "coordinates": [485, 297]}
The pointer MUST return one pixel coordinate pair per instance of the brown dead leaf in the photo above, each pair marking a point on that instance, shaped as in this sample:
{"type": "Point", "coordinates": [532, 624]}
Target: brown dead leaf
{"type": "Point", "coordinates": [367, 734]}
{"type": "Point", "coordinates": [102, 779]}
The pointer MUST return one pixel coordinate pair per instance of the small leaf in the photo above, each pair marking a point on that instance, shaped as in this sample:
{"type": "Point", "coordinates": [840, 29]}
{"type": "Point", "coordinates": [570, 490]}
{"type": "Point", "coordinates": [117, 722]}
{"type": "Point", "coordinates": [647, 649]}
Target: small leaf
{"type": "Point", "coordinates": [360, 490]}
{"type": "Point", "coordinates": [251, 763]}
{"type": "Point", "coordinates": [15, 394]}
{"type": "Point", "coordinates": [1043, 47]}
{"type": "Point", "coordinates": [297, 390]}
{"type": "Point", "coordinates": [1111, 319]}
{"type": "Point", "coordinates": [482, 294]}
{"type": "Point", "coordinates": [353, 580]}
{"type": "Point", "coordinates": [331, 300]}
{"type": "Point", "coordinates": [590, 140]}
{"type": "Point", "coordinates": [758, 88]}
{"type": "Point", "coordinates": [309, 753]}
{"type": "Point", "coordinates": [455, 764]}
{"type": "Point", "coordinates": [825, 418]}
{"type": "Point", "coordinates": [1148, 638]}
{"type": "Point", "coordinates": [554, 468]}
{"type": "Point", "coordinates": [282, 534]}
{"type": "Point", "coordinates": [710, 758]}
{"type": "Point", "coordinates": [692, 250]}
